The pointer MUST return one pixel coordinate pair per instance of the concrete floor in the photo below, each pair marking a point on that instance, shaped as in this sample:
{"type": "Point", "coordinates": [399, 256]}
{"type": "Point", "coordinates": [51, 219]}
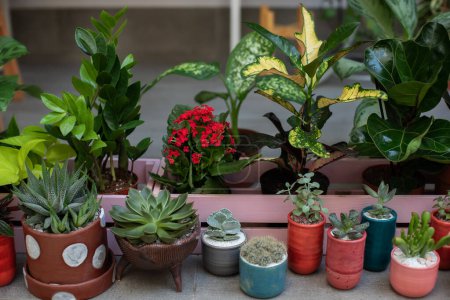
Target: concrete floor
{"type": "Point", "coordinates": [199, 285]}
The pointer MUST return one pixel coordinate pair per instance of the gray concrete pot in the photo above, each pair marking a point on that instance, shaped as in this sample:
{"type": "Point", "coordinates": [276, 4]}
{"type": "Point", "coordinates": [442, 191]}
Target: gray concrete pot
{"type": "Point", "coordinates": [221, 258]}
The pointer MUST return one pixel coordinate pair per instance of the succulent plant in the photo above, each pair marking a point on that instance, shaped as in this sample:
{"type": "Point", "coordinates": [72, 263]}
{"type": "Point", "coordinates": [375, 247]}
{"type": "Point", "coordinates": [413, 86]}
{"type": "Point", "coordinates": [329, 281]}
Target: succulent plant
{"type": "Point", "coordinates": [442, 204]}
{"type": "Point", "coordinates": [222, 226]}
{"type": "Point", "coordinates": [419, 240]}
{"type": "Point", "coordinates": [263, 251]}
{"type": "Point", "coordinates": [148, 219]}
{"type": "Point", "coordinates": [383, 196]}
{"type": "Point", "coordinates": [59, 201]}
{"type": "Point", "coordinates": [348, 226]}
{"type": "Point", "coordinates": [306, 199]}
{"type": "Point", "coordinates": [5, 229]}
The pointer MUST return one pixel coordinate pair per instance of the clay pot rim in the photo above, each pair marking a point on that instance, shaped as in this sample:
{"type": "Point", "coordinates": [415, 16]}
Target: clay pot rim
{"type": "Point", "coordinates": [321, 223]}
{"type": "Point", "coordinates": [437, 220]}
{"type": "Point", "coordinates": [284, 260]}
{"type": "Point", "coordinates": [225, 248]}
{"type": "Point", "coordinates": [435, 266]}
{"type": "Point", "coordinates": [361, 239]}
{"type": "Point", "coordinates": [60, 235]}
{"type": "Point", "coordinates": [393, 212]}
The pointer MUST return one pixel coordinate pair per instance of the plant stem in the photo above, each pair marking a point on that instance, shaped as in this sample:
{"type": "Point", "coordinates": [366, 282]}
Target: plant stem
{"type": "Point", "coordinates": [111, 167]}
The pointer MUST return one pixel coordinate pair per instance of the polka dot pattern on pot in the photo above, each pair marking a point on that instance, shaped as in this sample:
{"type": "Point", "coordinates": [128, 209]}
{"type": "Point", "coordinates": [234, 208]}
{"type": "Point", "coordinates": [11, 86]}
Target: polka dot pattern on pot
{"type": "Point", "coordinates": [63, 296]}
{"type": "Point", "coordinates": [102, 217]}
{"type": "Point", "coordinates": [99, 257]}
{"type": "Point", "coordinates": [33, 249]}
{"type": "Point", "coordinates": [75, 254]}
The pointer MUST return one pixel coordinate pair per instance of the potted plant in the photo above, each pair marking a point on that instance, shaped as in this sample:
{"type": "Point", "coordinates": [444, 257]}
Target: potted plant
{"type": "Point", "coordinates": [262, 267]}
{"type": "Point", "coordinates": [414, 260]}
{"type": "Point", "coordinates": [382, 227]}
{"type": "Point", "coordinates": [345, 250]}
{"type": "Point", "coordinates": [305, 225]}
{"type": "Point", "coordinates": [65, 235]}
{"type": "Point", "coordinates": [155, 232]}
{"type": "Point", "coordinates": [198, 150]}
{"type": "Point", "coordinates": [221, 243]}
{"type": "Point", "coordinates": [7, 250]}
{"type": "Point", "coordinates": [309, 61]}
{"type": "Point", "coordinates": [440, 221]}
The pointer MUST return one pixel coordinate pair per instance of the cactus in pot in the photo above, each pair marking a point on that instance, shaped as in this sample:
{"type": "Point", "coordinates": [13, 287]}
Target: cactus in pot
{"type": "Point", "coordinates": [221, 243]}
{"type": "Point", "coordinates": [263, 266]}
{"type": "Point", "coordinates": [345, 250]}
{"type": "Point", "coordinates": [382, 227]}
{"type": "Point", "coordinates": [415, 258]}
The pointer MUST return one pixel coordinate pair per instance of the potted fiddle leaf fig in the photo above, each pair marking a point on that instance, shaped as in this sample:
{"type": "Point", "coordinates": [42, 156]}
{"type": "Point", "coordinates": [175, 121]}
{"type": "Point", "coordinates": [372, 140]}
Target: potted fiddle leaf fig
{"type": "Point", "coordinates": [383, 222]}
{"type": "Point", "coordinates": [221, 243]}
{"type": "Point", "coordinates": [440, 221]}
{"type": "Point", "coordinates": [8, 261]}
{"type": "Point", "coordinates": [414, 258]}
{"type": "Point", "coordinates": [159, 242]}
{"type": "Point", "coordinates": [345, 250]}
{"type": "Point", "coordinates": [262, 267]}
{"type": "Point", "coordinates": [309, 61]}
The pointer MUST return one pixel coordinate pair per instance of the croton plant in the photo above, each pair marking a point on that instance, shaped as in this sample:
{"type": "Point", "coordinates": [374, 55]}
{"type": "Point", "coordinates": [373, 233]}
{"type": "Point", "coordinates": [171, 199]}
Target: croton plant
{"type": "Point", "coordinates": [198, 150]}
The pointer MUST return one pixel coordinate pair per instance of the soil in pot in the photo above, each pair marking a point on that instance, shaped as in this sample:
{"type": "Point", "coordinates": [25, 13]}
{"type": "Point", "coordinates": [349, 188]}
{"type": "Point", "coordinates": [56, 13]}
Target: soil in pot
{"type": "Point", "coordinates": [344, 261]}
{"type": "Point", "coordinates": [7, 260]}
{"type": "Point", "coordinates": [442, 228]}
{"type": "Point", "coordinates": [222, 257]}
{"type": "Point", "coordinates": [305, 246]}
{"type": "Point", "coordinates": [413, 277]}
{"type": "Point", "coordinates": [414, 185]}
{"type": "Point", "coordinates": [122, 183]}
{"type": "Point", "coordinates": [380, 233]}
{"type": "Point", "coordinates": [274, 180]}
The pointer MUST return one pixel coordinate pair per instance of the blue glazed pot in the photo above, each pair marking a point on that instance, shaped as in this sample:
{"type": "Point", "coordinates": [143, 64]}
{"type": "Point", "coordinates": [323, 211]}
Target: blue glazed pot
{"type": "Point", "coordinates": [380, 233]}
{"type": "Point", "coordinates": [262, 282]}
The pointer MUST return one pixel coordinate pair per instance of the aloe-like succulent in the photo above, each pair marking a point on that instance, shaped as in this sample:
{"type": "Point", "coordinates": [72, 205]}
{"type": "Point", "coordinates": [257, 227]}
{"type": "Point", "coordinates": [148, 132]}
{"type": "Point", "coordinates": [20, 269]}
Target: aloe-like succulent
{"type": "Point", "coordinates": [442, 204]}
{"type": "Point", "coordinates": [263, 251]}
{"type": "Point", "coordinates": [59, 201]}
{"type": "Point", "coordinates": [5, 229]}
{"type": "Point", "coordinates": [148, 219]}
{"type": "Point", "coordinates": [348, 226]}
{"type": "Point", "coordinates": [222, 226]}
{"type": "Point", "coordinates": [419, 240]}
{"type": "Point", "coordinates": [383, 196]}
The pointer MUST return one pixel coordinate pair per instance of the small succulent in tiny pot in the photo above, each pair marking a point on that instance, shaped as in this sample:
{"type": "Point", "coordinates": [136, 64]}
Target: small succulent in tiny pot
{"type": "Point", "coordinates": [382, 227]}
{"type": "Point", "coordinates": [440, 221]}
{"type": "Point", "coordinates": [221, 243]}
{"type": "Point", "coordinates": [305, 225]}
{"type": "Point", "coordinates": [345, 250]}
{"type": "Point", "coordinates": [262, 267]}
{"type": "Point", "coordinates": [414, 260]}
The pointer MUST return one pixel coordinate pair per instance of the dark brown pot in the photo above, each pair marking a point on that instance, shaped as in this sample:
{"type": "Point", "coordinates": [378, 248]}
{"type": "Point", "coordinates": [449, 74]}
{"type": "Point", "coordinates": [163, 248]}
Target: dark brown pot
{"type": "Point", "coordinates": [158, 256]}
{"type": "Point", "coordinates": [441, 229]}
{"type": "Point", "coordinates": [372, 176]}
{"type": "Point", "coordinates": [45, 254]}
{"type": "Point", "coordinates": [274, 180]}
{"type": "Point", "coordinates": [83, 290]}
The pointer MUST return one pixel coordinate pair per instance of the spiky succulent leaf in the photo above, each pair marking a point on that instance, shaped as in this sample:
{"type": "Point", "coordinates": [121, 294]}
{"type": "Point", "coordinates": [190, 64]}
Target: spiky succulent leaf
{"type": "Point", "coordinates": [348, 226]}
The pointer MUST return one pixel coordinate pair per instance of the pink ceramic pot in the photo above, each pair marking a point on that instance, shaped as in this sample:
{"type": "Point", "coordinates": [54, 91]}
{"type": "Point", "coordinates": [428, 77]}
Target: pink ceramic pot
{"type": "Point", "coordinates": [412, 282]}
{"type": "Point", "coordinates": [344, 261]}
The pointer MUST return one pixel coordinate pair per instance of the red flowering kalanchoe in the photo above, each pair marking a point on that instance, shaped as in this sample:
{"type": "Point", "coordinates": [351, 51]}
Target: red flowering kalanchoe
{"type": "Point", "coordinates": [197, 147]}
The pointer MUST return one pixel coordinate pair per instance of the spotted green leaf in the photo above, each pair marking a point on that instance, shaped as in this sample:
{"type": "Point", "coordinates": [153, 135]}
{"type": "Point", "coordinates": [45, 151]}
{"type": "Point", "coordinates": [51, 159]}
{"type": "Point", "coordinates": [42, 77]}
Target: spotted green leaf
{"type": "Point", "coordinates": [308, 140]}
{"type": "Point", "coordinates": [287, 105]}
{"type": "Point", "coordinates": [281, 87]}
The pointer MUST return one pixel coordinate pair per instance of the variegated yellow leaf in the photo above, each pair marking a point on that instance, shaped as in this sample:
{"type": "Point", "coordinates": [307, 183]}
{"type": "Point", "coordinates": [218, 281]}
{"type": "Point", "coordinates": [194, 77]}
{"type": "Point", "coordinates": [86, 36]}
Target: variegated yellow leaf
{"type": "Point", "coordinates": [352, 93]}
{"type": "Point", "coordinates": [264, 63]}
{"type": "Point", "coordinates": [297, 78]}
{"type": "Point", "coordinates": [308, 140]}
{"type": "Point", "coordinates": [307, 38]}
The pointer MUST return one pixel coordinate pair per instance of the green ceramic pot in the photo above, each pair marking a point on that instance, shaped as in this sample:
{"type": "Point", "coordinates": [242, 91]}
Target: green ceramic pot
{"type": "Point", "coordinates": [380, 233]}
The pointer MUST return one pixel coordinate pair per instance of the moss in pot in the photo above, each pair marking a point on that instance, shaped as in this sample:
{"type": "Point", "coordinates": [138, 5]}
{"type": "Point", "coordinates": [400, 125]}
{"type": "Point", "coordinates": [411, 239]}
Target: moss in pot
{"type": "Point", "coordinates": [382, 227]}
{"type": "Point", "coordinates": [221, 243]}
{"type": "Point", "coordinates": [440, 221]}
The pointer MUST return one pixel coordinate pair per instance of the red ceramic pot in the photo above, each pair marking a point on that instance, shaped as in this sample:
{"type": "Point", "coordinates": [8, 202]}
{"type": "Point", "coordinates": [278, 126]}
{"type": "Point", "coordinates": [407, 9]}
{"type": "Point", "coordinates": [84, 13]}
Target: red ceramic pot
{"type": "Point", "coordinates": [344, 261]}
{"type": "Point", "coordinates": [7, 260]}
{"type": "Point", "coordinates": [305, 246]}
{"type": "Point", "coordinates": [441, 229]}
{"type": "Point", "coordinates": [412, 282]}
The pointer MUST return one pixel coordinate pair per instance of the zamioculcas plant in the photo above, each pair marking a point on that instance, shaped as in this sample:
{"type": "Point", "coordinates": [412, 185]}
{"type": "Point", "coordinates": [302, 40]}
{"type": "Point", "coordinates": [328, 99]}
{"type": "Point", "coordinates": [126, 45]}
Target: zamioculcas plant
{"type": "Point", "coordinates": [348, 227]}
{"type": "Point", "coordinates": [383, 196]}
{"type": "Point", "coordinates": [310, 60]}
{"type": "Point", "coordinates": [222, 226]}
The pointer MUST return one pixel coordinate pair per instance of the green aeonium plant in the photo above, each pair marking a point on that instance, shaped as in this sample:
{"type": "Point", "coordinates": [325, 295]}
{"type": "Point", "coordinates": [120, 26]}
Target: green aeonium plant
{"type": "Point", "coordinates": [442, 205]}
{"type": "Point", "coordinates": [349, 226]}
{"type": "Point", "coordinates": [198, 150]}
{"type": "Point", "coordinates": [5, 228]}
{"type": "Point", "coordinates": [419, 239]}
{"type": "Point", "coordinates": [383, 195]}
{"type": "Point", "coordinates": [146, 219]}
{"type": "Point", "coordinates": [304, 194]}
{"type": "Point", "coordinates": [263, 251]}
{"type": "Point", "coordinates": [222, 226]}
{"type": "Point", "coordinates": [59, 202]}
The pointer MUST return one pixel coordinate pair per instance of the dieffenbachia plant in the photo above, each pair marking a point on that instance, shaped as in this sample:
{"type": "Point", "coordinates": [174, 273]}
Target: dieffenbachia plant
{"type": "Point", "coordinates": [310, 60]}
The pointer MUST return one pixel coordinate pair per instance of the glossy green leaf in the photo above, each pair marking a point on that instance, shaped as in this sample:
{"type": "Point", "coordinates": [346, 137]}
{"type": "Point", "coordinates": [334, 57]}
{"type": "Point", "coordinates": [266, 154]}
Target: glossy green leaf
{"type": "Point", "coordinates": [52, 118]}
{"type": "Point", "coordinates": [280, 87]}
{"type": "Point", "coordinates": [97, 144]}
{"type": "Point", "coordinates": [246, 51]}
{"type": "Point", "coordinates": [59, 152]}
{"type": "Point", "coordinates": [406, 13]}
{"type": "Point", "coordinates": [345, 67]}
{"type": "Point", "coordinates": [283, 103]}
{"type": "Point", "coordinates": [443, 18]}
{"type": "Point", "coordinates": [67, 125]}
{"type": "Point", "coordinates": [206, 96]}
{"type": "Point", "coordinates": [85, 41]}
{"type": "Point", "coordinates": [53, 103]}
{"type": "Point", "coordinates": [410, 93]}
{"type": "Point", "coordinates": [364, 109]}
{"type": "Point", "coordinates": [437, 138]}
{"type": "Point", "coordinates": [335, 39]}
{"type": "Point", "coordinates": [9, 169]}
{"type": "Point", "coordinates": [378, 12]}
{"type": "Point", "coordinates": [307, 140]}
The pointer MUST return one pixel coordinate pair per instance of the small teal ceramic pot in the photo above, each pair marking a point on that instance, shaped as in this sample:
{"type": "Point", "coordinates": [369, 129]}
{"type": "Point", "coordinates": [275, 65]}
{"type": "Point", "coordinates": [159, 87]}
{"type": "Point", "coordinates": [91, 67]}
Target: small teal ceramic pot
{"type": "Point", "coordinates": [380, 233]}
{"type": "Point", "coordinates": [262, 282]}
